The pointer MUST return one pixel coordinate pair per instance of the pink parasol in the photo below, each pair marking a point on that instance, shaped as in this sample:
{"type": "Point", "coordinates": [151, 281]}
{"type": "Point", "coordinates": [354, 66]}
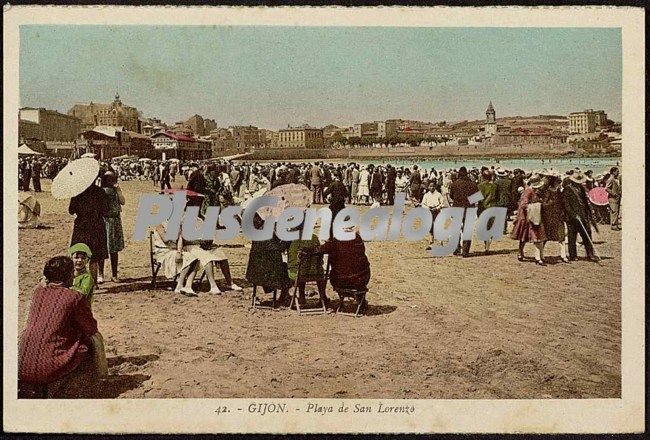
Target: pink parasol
{"type": "Point", "coordinates": [290, 195]}
{"type": "Point", "coordinates": [598, 196]}
{"type": "Point", "coordinates": [189, 194]}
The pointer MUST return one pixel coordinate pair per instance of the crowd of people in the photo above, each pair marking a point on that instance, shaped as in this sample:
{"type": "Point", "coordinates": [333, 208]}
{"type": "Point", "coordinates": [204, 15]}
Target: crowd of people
{"type": "Point", "coordinates": [546, 207]}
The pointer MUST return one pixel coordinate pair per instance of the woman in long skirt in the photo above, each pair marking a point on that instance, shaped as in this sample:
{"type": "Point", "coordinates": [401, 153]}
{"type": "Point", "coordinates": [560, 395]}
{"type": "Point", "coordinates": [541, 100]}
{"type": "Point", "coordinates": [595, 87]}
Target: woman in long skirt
{"type": "Point", "coordinates": [525, 231]}
{"type": "Point", "coordinates": [113, 223]}
{"type": "Point", "coordinates": [90, 207]}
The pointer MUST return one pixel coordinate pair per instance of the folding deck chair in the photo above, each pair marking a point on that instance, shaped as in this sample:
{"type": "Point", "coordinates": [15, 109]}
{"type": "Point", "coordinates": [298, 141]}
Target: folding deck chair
{"type": "Point", "coordinates": [358, 295]}
{"type": "Point", "coordinates": [255, 305]}
{"type": "Point", "coordinates": [155, 265]}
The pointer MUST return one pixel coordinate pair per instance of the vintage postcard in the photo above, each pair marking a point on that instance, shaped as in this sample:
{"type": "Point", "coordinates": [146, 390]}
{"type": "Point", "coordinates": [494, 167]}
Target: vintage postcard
{"type": "Point", "coordinates": [324, 220]}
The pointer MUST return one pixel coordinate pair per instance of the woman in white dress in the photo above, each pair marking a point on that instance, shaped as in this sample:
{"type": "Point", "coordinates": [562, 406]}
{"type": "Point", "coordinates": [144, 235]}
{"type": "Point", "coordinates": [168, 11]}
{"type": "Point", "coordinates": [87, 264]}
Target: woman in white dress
{"type": "Point", "coordinates": [187, 259]}
{"type": "Point", "coordinates": [174, 262]}
{"type": "Point", "coordinates": [364, 185]}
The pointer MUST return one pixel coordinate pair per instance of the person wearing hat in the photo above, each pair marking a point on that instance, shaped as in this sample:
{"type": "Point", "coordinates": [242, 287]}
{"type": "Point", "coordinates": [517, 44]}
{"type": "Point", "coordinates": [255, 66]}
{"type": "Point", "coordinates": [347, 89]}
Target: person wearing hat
{"type": "Point", "coordinates": [460, 191]}
{"type": "Point", "coordinates": [489, 191]}
{"type": "Point", "coordinates": [578, 215]}
{"type": "Point", "coordinates": [113, 221]}
{"type": "Point", "coordinates": [363, 189]}
{"type": "Point", "coordinates": [502, 182]}
{"type": "Point", "coordinates": [415, 185]}
{"type": "Point", "coordinates": [516, 182]}
{"type": "Point", "coordinates": [613, 187]}
{"type": "Point", "coordinates": [525, 230]}
{"type": "Point", "coordinates": [83, 282]}
{"type": "Point", "coordinates": [316, 177]}
{"type": "Point", "coordinates": [553, 212]}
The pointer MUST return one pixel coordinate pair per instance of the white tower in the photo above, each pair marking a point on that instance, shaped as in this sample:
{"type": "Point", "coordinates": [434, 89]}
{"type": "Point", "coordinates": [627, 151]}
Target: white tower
{"type": "Point", "coordinates": [490, 121]}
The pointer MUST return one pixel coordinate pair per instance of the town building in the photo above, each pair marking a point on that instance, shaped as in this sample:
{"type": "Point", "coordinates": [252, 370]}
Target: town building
{"type": "Point", "coordinates": [386, 129]}
{"type": "Point", "coordinates": [172, 145]}
{"type": "Point", "coordinates": [222, 141]}
{"type": "Point", "coordinates": [365, 129]}
{"type": "Point", "coordinates": [522, 137]}
{"type": "Point", "coordinates": [114, 114]}
{"type": "Point", "coordinates": [378, 129]}
{"type": "Point", "coordinates": [490, 121]}
{"type": "Point", "coordinates": [108, 142]}
{"type": "Point", "coordinates": [300, 137]}
{"type": "Point", "coordinates": [587, 121]}
{"type": "Point", "coordinates": [268, 138]}
{"type": "Point", "coordinates": [47, 125]}
{"type": "Point", "coordinates": [246, 138]}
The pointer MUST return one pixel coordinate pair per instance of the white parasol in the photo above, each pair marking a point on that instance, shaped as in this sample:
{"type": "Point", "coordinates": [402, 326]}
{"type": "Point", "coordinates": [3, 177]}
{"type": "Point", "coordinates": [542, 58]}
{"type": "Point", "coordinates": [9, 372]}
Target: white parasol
{"type": "Point", "coordinates": [89, 155]}
{"type": "Point", "coordinates": [74, 178]}
{"type": "Point", "coordinates": [144, 159]}
{"type": "Point", "coordinates": [290, 195]}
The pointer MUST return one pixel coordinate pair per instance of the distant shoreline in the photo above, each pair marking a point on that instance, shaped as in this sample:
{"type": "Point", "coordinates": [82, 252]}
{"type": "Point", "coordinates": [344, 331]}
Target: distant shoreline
{"type": "Point", "coordinates": [330, 155]}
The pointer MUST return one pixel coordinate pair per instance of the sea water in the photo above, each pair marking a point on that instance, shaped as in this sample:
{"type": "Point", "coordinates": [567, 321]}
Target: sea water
{"type": "Point", "coordinates": [597, 164]}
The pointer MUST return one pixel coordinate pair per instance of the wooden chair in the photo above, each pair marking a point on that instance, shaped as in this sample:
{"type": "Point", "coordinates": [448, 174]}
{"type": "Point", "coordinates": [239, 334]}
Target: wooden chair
{"type": "Point", "coordinates": [155, 265]}
{"type": "Point", "coordinates": [319, 310]}
{"type": "Point", "coordinates": [255, 305]}
{"type": "Point", "coordinates": [358, 295]}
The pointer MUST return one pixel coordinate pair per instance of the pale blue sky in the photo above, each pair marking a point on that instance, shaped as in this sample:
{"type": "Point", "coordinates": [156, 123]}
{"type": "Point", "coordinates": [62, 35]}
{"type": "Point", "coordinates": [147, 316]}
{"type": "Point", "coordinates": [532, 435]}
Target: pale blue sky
{"type": "Point", "coordinates": [274, 76]}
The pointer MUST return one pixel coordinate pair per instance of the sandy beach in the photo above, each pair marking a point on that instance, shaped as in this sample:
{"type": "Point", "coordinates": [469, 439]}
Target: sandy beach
{"type": "Point", "coordinates": [472, 328]}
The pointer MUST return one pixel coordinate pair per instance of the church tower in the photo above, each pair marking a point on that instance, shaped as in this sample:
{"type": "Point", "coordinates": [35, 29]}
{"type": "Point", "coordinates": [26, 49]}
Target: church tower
{"type": "Point", "coordinates": [490, 121]}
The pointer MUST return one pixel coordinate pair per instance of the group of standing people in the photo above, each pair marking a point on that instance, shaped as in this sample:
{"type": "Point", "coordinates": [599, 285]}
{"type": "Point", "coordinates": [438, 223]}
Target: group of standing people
{"type": "Point", "coordinates": [556, 208]}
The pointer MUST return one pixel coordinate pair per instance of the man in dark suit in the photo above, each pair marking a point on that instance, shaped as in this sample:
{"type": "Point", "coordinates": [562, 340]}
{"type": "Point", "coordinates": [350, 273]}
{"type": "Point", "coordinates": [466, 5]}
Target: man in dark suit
{"type": "Point", "coordinates": [578, 215]}
{"type": "Point", "coordinates": [459, 191]}
{"type": "Point", "coordinates": [391, 176]}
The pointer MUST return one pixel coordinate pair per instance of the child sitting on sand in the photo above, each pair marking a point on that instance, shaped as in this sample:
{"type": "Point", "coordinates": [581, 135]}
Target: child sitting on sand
{"type": "Point", "coordinates": [83, 281]}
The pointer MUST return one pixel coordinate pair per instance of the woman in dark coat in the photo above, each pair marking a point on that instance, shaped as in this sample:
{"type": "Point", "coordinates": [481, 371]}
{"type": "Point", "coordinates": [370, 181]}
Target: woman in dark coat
{"type": "Point", "coordinates": [553, 214]}
{"type": "Point", "coordinates": [90, 207]}
{"type": "Point", "coordinates": [265, 265]}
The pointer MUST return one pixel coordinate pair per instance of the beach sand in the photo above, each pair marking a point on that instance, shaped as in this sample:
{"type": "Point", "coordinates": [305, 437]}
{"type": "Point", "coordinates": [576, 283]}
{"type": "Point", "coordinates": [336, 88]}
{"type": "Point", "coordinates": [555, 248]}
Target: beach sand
{"type": "Point", "coordinates": [451, 327]}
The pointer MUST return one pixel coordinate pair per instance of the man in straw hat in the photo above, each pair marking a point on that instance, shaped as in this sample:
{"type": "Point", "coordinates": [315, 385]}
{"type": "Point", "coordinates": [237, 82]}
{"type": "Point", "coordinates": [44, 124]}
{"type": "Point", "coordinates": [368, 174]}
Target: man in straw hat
{"type": "Point", "coordinates": [578, 214]}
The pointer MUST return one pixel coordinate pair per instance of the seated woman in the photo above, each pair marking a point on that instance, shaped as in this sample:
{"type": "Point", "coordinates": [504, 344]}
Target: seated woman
{"type": "Point", "coordinates": [311, 267]}
{"type": "Point", "coordinates": [61, 352]}
{"type": "Point", "coordinates": [207, 257]}
{"type": "Point", "coordinates": [349, 266]}
{"type": "Point", "coordinates": [265, 265]}
{"type": "Point", "coordinates": [174, 262]}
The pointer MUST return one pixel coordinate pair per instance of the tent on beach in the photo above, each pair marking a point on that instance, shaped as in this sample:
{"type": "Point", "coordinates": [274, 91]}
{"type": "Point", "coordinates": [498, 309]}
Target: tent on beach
{"type": "Point", "coordinates": [24, 150]}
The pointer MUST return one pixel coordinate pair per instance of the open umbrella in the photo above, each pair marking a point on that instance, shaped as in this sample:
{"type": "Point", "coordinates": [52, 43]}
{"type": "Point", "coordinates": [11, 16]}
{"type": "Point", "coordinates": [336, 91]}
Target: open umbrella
{"type": "Point", "coordinates": [144, 159]}
{"type": "Point", "coordinates": [189, 192]}
{"type": "Point", "coordinates": [74, 178]}
{"type": "Point", "coordinates": [290, 195]}
{"type": "Point", "coordinates": [89, 155]}
{"type": "Point", "coordinates": [598, 196]}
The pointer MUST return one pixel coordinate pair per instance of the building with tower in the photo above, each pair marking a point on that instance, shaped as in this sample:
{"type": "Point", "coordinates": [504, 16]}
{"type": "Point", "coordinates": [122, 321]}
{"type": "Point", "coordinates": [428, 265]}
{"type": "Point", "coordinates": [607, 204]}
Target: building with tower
{"type": "Point", "coordinates": [490, 121]}
{"type": "Point", "coordinates": [114, 114]}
